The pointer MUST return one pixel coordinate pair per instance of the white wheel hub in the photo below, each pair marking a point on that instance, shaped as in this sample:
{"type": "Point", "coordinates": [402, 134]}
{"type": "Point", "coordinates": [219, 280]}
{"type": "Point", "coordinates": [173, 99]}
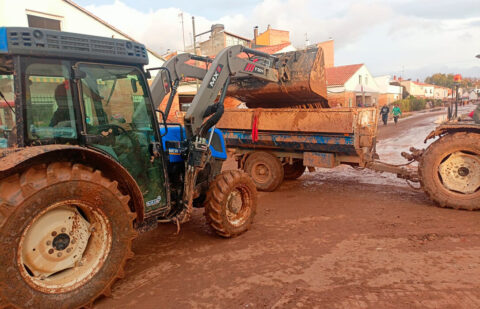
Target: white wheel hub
{"type": "Point", "coordinates": [461, 172]}
{"type": "Point", "coordinates": [56, 241]}
{"type": "Point", "coordinates": [60, 250]}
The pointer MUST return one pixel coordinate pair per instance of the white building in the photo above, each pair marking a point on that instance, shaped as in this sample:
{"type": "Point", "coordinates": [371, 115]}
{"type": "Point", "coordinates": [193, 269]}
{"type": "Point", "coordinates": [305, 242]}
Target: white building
{"type": "Point", "coordinates": [63, 15]}
{"type": "Point", "coordinates": [388, 93]}
{"type": "Point", "coordinates": [350, 85]}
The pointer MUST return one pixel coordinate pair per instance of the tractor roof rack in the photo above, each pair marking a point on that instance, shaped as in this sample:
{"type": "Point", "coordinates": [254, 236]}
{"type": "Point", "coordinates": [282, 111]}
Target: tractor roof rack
{"type": "Point", "coordinates": [51, 43]}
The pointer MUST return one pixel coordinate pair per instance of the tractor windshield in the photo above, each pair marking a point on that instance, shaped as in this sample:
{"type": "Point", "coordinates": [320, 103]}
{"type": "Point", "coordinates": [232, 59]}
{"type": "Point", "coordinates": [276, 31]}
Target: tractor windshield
{"type": "Point", "coordinates": [7, 111]}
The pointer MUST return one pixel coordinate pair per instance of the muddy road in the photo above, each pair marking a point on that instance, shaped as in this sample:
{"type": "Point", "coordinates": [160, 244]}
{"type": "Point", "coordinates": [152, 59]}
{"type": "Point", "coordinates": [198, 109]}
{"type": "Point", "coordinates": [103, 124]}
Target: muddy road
{"type": "Point", "coordinates": [337, 238]}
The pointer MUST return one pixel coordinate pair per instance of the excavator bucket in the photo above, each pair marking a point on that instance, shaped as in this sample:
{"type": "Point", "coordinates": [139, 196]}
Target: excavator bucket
{"type": "Point", "coordinates": [302, 83]}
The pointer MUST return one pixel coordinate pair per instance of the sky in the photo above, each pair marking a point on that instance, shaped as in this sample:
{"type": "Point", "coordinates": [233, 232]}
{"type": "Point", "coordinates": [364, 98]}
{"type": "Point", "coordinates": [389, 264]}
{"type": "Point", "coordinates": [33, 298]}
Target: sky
{"type": "Point", "coordinates": [408, 38]}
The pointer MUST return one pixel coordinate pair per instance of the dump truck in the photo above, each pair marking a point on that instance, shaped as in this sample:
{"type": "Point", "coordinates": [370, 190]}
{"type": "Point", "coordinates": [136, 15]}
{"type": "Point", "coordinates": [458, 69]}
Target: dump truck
{"type": "Point", "coordinates": [286, 131]}
{"type": "Point", "coordinates": [84, 168]}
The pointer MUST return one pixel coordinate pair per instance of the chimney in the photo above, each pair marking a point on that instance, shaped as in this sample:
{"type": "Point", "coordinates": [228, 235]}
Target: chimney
{"type": "Point", "coordinates": [269, 27]}
{"type": "Point", "coordinates": [394, 77]}
{"type": "Point", "coordinates": [255, 35]}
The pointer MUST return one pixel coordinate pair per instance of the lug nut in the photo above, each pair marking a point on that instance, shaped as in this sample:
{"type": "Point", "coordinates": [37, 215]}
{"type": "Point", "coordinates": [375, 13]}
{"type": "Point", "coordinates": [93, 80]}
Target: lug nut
{"type": "Point", "coordinates": [49, 242]}
{"type": "Point", "coordinates": [64, 230]}
{"type": "Point", "coordinates": [50, 251]}
{"type": "Point", "coordinates": [59, 254]}
{"type": "Point", "coordinates": [73, 241]}
{"type": "Point", "coordinates": [69, 250]}
{"type": "Point", "coordinates": [54, 233]}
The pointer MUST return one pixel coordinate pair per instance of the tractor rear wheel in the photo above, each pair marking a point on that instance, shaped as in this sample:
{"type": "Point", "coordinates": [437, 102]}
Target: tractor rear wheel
{"type": "Point", "coordinates": [295, 170]}
{"type": "Point", "coordinates": [265, 169]}
{"type": "Point", "coordinates": [65, 235]}
{"type": "Point", "coordinates": [450, 171]}
{"type": "Point", "coordinates": [231, 203]}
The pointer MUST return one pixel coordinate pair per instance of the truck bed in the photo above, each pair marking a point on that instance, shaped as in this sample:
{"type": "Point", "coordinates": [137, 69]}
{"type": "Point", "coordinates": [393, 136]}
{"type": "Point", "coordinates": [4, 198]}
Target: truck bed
{"type": "Point", "coordinates": [344, 135]}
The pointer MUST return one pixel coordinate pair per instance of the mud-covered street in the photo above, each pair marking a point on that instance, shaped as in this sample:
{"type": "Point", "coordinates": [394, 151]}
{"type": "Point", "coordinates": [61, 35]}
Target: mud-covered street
{"type": "Point", "coordinates": [337, 238]}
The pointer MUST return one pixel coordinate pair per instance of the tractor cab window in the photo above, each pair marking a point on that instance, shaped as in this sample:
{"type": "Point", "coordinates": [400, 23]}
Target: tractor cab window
{"type": "Point", "coordinates": [7, 112]}
{"type": "Point", "coordinates": [50, 113]}
{"type": "Point", "coordinates": [119, 120]}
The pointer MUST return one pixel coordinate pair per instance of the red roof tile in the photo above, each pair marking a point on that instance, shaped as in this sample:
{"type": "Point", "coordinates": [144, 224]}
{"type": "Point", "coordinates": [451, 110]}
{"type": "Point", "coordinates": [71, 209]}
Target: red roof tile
{"type": "Point", "coordinates": [273, 48]}
{"type": "Point", "coordinates": [338, 76]}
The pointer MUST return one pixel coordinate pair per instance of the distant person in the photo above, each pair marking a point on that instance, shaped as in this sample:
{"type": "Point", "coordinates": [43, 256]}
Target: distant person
{"type": "Point", "coordinates": [396, 112]}
{"type": "Point", "coordinates": [384, 112]}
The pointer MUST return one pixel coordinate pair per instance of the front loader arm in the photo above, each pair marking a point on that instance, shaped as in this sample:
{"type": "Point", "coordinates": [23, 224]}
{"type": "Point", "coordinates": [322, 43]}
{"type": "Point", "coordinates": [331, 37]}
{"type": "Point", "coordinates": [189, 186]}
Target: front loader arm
{"type": "Point", "coordinates": [175, 70]}
{"type": "Point", "coordinates": [226, 65]}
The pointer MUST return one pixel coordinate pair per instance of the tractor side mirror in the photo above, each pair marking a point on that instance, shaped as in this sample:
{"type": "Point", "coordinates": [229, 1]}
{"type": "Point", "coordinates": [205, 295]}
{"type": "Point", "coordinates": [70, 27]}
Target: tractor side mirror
{"type": "Point", "coordinates": [165, 81]}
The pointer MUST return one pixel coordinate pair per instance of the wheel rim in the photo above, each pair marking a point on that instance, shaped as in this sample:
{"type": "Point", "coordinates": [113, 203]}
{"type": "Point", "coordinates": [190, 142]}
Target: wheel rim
{"type": "Point", "coordinates": [239, 206]}
{"type": "Point", "coordinates": [260, 173]}
{"type": "Point", "coordinates": [460, 172]}
{"type": "Point", "coordinates": [64, 246]}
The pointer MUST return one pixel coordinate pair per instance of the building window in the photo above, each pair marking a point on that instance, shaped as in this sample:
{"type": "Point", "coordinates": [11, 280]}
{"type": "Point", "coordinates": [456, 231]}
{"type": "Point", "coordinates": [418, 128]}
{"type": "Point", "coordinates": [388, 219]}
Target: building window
{"type": "Point", "coordinates": [360, 79]}
{"type": "Point", "coordinates": [366, 80]}
{"type": "Point", "coordinates": [42, 22]}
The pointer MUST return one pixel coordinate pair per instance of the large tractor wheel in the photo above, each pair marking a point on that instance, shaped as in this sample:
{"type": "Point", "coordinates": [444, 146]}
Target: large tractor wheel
{"type": "Point", "coordinates": [295, 170]}
{"type": "Point", "coordinates": [450, 171]}
{"type": "Point", "coordinates": [265, 169]}
{"type": "Point", "coordinates": [65, 235]}
{"type": "Point", "coordinates": [231, 203]}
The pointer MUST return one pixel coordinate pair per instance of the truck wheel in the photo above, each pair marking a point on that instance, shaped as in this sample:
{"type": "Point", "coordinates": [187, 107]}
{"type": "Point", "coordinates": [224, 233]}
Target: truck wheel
{"type": "Point", "coordinates": [450, 171]}
{"type": "Point", "coordinates": [295, 170]}
{"type": "Point", "coordinates": [65, 235]}
{"type": "Point", "coordinates": [265, 169]}
{"type": "Point", "coordinates": [231, 203]}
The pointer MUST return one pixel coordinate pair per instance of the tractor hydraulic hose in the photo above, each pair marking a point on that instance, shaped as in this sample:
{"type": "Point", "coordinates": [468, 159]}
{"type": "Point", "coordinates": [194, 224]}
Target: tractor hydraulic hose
{"type": "Point", "coordinates": [170, 99]}
{"type": "Point", "coordinates": [218, 113]}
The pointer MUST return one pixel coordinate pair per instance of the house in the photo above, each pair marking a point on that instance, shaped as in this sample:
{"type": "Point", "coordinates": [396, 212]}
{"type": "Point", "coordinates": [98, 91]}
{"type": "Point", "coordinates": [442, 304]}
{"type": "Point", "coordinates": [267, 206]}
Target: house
{"type": "Point", "coordinates": [427, 89]}
{"type": "Point", "coordinates": [389, 93]}
{"type": "Point", "coordinates": [63, 15]}
{"type": "Point", "coordinates": [412, 88]}
{"type": "Point", "coordinates": [270, 37]}
{"type": "Point", "coordinates": [441, 93]}
{"type": "Point", "coordinates": [351, 85]}
{"type": "Point", "coordinates": [218, 40]}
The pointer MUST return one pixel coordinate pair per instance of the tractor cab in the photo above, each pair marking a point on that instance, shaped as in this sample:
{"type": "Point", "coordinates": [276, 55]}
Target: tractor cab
{"type": "Point", "coordinates": [74, 89]}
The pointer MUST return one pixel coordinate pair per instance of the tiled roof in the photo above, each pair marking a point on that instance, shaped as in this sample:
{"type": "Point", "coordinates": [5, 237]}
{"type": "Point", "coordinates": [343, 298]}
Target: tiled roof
{"type": "Point", "coordinates": [338, 76]}
{"type": "Point", "coordinates": [273, 48]}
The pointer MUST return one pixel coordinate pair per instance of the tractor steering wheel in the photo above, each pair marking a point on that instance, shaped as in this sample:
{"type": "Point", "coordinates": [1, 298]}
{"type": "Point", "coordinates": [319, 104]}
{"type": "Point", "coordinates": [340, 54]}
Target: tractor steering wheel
{"type": "Point", "coordinates": [117, 131]}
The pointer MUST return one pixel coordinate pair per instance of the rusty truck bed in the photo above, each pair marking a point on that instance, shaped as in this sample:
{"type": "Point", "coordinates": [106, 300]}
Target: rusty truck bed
{"type": "Point", "coordinates": [321, 137]}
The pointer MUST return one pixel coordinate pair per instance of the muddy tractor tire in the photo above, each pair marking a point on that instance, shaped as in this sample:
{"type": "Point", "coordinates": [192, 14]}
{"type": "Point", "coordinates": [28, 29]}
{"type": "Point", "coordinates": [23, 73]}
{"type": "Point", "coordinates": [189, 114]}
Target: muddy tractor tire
{"type": "Point", "coordinates": [265, 169]}
{"type": "Point", "coordinates": [295, 170]}
{"type": "Point", "coordinates": [65, 235]}
{"type": "Point", "coordinates": [450, 171]}
{"type": "Point", "coordinates": [231, 203]}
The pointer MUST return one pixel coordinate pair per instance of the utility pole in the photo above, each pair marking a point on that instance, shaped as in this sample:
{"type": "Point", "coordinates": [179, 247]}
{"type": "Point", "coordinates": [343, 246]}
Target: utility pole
{"type": "Point", "coordinates": [194, 36]}
{"type": "Point", "coordinates": [183, 30]}
{"type": "Point", "coordinates": [195, 47]}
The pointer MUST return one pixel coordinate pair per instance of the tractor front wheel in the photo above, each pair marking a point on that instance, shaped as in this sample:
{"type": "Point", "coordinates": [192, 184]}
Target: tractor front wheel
{"type": "Point", "coordinates": [450, 171]}
{"type": "Point", "coordinates": [231, 203]}
{"type": "Point", "coordinates": [65, 235]}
